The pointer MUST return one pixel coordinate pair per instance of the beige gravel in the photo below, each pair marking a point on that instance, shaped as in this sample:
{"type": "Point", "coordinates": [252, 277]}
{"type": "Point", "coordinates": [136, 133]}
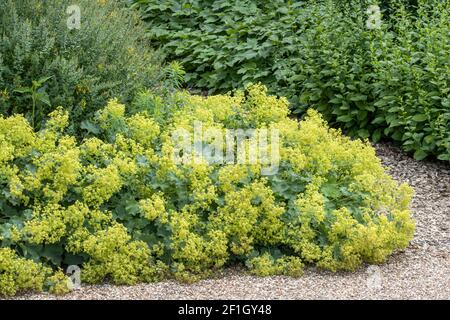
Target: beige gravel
{"type": "Point", "coordinates": [419, 272]}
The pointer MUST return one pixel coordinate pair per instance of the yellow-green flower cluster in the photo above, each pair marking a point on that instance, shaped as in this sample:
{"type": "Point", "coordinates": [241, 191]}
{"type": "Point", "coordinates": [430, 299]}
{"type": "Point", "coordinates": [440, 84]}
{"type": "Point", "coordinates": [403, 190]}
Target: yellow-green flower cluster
{"type": "Point", "coordinates": [19, 274]}
{"type": "Point", "coordinates": [143, 129]}
{"type": "Point", "coordinates": [195, 252]}
{"type": "Point", "coordinates": [114, 255]}
{"type": "Point", "coordinates": [114, 111]}
{"type": "Point", "coordinates": [105, 182]}
{"type": "Point", "coordinates": [154, 208]}
{"type": "Point", "coordinates": [265, 265]}
{"type": "Point", "coordinates": [250, 215]}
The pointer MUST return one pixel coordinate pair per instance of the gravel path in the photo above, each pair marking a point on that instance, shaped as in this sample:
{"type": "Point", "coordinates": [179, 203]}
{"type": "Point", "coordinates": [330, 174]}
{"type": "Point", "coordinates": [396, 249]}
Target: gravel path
{"type": "Point", "coordinates": [420, 272]}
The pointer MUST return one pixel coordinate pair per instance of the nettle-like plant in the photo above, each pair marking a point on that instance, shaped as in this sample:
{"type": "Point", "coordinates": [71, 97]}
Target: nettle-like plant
{"type": "Point", "coordinates": [122, 207]}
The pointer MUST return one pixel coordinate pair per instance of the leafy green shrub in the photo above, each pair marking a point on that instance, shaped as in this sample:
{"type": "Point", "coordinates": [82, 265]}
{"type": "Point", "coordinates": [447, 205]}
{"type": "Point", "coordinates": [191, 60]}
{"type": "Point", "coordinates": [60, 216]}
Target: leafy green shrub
{"type": "Point", "coordinates": [82, 68]}
{"type": "Point", "coordinates": [391, 82]}
{"type": "Point", "coordinates": [120, 205]}
{"type": "Point", "coordinates": [224, 44]}
{"type": "Point", "coordinates": [411, 80]}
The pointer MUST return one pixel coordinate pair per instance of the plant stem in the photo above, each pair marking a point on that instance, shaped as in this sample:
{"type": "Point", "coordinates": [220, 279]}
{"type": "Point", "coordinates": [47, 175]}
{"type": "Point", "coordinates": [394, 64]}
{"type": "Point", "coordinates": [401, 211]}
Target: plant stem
{"type": "Point", "coordinates": [33, 111]}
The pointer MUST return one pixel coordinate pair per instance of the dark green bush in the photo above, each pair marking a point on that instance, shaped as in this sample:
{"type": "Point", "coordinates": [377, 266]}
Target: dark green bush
{"type": "Point", "coordinates": [107, 57]}
{"type": "Point", "coordinates": [411, 88]}
{"type": "Point", "coordinates": [223, 44]}
{"type": "Point", "coordinates": [392, 82]}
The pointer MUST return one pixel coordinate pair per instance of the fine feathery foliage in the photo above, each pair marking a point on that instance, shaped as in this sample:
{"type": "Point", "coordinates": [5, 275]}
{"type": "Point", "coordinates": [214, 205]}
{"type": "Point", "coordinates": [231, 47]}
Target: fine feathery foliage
{"type": "Point", "coordinates": [118, 205]}
{"type": "Point", "coordinates": [44, 63]}
{"type": "Point", "coordinates": [391, 82]}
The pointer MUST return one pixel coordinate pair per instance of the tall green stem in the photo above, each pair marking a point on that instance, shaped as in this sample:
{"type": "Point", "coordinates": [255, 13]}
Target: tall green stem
{"type": "Point", "coordinates": [33, 111]}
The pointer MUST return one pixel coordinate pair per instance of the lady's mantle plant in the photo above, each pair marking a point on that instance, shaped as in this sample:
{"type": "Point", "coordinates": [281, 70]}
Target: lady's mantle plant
{"type": "Point", "coordinates": [118, 205]}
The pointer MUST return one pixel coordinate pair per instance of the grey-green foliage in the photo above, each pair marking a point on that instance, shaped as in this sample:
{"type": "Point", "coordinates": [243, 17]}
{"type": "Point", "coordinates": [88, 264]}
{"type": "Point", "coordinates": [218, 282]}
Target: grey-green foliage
{"type": "Point", "coordinates": [388, 83]}
{"type": "Point", "coordinates": [107, 57]}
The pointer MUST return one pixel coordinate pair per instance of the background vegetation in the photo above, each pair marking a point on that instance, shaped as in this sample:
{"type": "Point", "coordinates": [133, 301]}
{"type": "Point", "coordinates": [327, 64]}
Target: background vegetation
{"type": "Point", "coordinates": [388, 83]}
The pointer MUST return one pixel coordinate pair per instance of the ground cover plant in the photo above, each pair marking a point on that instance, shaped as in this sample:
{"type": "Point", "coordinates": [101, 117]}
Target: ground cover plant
{"type": "Point", "coordinates": [119, 205]}
{"type": "Point", "coordinates": [388, 82]}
